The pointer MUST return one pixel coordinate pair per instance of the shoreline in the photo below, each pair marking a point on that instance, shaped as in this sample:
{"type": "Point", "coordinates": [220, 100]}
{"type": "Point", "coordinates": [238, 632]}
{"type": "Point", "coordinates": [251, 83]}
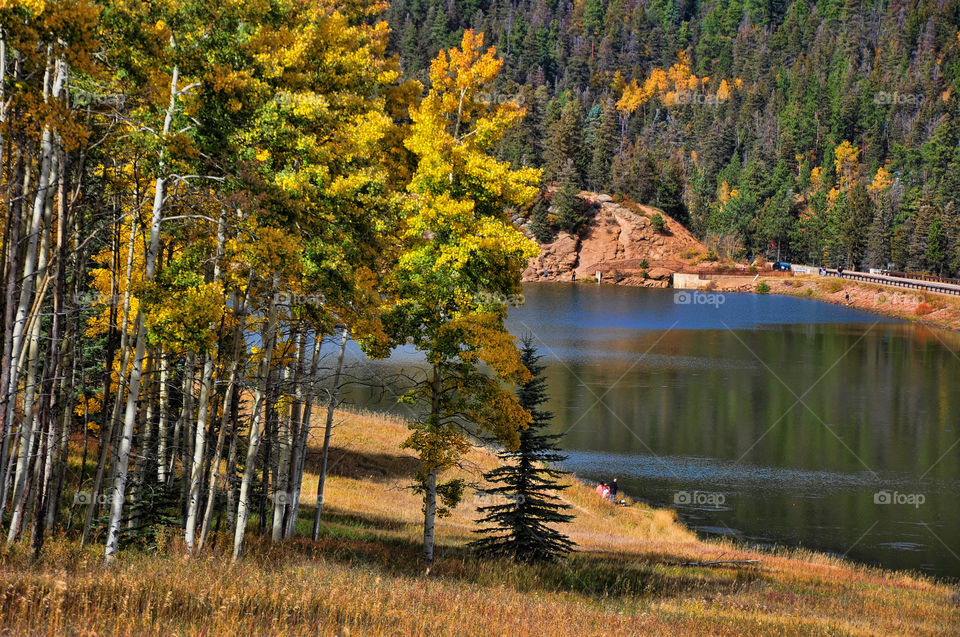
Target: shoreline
{"type": "Point", "coordinates": [912, 307]}
{"type": "Point", "coordinates": [920, 308]}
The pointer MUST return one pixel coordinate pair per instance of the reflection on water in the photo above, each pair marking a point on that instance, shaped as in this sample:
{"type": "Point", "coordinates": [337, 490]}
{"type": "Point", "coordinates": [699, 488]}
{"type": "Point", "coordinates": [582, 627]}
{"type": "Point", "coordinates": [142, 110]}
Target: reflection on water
{"type": "Point", "coordinates": [805, 416]}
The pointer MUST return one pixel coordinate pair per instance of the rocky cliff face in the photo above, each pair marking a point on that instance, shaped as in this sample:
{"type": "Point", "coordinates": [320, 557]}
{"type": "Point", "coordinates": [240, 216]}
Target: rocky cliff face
{"type": "Point", "coordinates": [619, 241]}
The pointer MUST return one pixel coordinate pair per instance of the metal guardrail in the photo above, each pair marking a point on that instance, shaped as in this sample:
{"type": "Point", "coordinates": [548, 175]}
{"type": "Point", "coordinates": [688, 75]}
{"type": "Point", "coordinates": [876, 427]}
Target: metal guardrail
{"type": "Point", "coordinates": [900, 282]}
{"type": "Point", "coordinates": [705, 274]}
{"type": "Point", "coordinates": [922, 276]}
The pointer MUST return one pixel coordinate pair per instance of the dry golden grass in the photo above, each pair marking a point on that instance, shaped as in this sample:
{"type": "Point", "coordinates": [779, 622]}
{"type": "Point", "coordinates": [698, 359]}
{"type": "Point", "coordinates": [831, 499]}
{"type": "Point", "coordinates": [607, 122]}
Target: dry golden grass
{"type": "Point", "coordinates": [363, 576]}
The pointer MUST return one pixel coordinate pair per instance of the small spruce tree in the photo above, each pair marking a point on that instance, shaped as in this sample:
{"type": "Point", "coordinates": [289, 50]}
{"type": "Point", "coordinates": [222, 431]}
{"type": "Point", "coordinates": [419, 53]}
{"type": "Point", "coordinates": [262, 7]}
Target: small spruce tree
{"type": "Point", "coordinates": [540, 225]}
{"type": "Point", "coordinates": [569, 207]}
{"type": "Point", "coordinates": [527, 503]}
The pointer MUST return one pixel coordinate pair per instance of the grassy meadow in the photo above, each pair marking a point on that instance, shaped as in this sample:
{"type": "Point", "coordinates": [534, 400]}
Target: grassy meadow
{"type": "Point", "coordinates": [632, 574]}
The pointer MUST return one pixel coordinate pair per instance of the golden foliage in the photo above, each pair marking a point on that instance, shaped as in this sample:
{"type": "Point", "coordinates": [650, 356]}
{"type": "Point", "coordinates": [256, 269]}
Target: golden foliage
{"type": "Point", "coordinates": [846, 157]}
{"type": "Point", "coordinates": [881, 181]}
{"type": "Point", "coordinates": [676, 86]}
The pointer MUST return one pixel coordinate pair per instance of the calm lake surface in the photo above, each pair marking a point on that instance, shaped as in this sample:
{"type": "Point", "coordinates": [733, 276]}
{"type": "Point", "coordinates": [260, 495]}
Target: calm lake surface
{"type": "Point", "coordinates": [768, 419]}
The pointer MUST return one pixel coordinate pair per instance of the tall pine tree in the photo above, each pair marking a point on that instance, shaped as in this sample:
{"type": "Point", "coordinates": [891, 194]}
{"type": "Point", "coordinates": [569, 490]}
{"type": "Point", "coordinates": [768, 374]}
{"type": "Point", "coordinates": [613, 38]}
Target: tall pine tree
{"type": "Point", "coordinates": [527, 488]}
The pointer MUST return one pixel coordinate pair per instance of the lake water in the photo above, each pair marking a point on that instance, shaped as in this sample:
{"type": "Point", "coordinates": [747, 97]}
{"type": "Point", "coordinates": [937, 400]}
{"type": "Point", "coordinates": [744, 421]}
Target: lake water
{"type": "Point", "coordinates": [768, 419]}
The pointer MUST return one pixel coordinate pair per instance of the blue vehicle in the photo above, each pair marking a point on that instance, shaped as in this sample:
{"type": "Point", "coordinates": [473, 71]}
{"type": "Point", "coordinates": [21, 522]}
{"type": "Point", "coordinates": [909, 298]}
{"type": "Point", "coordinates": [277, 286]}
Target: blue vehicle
{"type": "Point", "coordinates": [782, 266]}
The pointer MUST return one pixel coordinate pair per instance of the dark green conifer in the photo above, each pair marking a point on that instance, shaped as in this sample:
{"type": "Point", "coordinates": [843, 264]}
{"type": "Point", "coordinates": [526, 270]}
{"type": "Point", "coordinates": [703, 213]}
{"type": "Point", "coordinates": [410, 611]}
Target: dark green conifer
{"type": "Point", "coordinates": [525, 507]}
{"type": "Point", "coordinates": [569, 206]}
{"type": "Point", "coordinates": [540, 225]}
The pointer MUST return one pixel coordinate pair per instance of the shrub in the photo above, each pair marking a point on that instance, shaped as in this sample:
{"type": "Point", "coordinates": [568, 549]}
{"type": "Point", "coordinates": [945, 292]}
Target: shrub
{"type": "Point", "coordinates": [644, 264]}
{"type": "Point", "coordinates": [658, 222]}
{"type": "Point", "coordinates": [833, 285]}
{"type": "Point", "coordinates": [923, 308]}
{"type": "Point", "coordinates": [762, 287]}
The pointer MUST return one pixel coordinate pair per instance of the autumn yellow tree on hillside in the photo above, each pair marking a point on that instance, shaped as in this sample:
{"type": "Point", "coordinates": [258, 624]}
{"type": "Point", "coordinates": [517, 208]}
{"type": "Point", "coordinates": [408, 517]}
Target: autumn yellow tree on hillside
{"type": "Point", "coordinates": [676, 86]}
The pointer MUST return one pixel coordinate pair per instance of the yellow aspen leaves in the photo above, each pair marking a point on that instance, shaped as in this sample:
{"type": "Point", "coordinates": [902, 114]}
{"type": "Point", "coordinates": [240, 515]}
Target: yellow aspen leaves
{"type": "Point", "coordinates": [676, 86]}
{"type": "Point", "coordinates": [881, 181]}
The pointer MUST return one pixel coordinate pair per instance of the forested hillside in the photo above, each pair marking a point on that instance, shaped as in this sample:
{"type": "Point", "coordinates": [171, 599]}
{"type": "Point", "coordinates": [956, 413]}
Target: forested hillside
{"type": "Point", "coordinates": [825, 129]}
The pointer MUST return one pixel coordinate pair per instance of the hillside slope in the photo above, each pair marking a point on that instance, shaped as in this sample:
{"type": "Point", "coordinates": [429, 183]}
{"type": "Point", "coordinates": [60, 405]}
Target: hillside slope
{"type": "Point", "coordinates": [619, 241]}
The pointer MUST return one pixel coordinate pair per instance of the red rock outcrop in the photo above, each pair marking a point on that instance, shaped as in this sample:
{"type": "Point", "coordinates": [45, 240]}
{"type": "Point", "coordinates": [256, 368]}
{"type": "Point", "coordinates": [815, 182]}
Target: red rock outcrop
{"type": "Point", "coordinates": [617, 240]}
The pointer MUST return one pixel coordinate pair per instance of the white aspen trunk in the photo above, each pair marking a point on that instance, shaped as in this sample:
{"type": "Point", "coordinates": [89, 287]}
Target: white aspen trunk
{"type": "Point", "coordinates": [31, 426]}
{"type": "Point", "coordinates": [12, 265]}
{"type": "Point", "coordinates": [45, 478]}
{"type": "Point", "coordinates": [215, 464]}
{"type": "Point", "coordinates": [63, 351]}
{"type": "Point", "coordinates": [143, 446]}
{"type": "Point", "coordinates": [281, 494]}
{"type": "Point", "coordinates": [199, 448]}
{"type": "Point", "coordinates": [30, 271]}
{"type": "Point", "coordinates": [206, 385]}
{"type": "Point", "coordinates": [228, 399]}
{"type": "Point", "coordinates": [230, 482]}
{"type": "Point", "coordinates": [328, 430]}
{"type": "Point", "coordinates": [429, 517]}
{"type": "Point", "coordinates": [125, 351]}
{"type": "Point", "coordinates": [301, 449]}
{"type": "Point", "coordinates": [430, 488]}
{"type": "Point", "coordinates": [106, 438]}
{"type": "Point", "coordinates": [189, 434]}
{"type": "Point", "coordinates": [162, 408]}
{"type": "Point", "coordinates": [48, 479]}
{"type": "Point", "coordinates": [185, 410]}
{"type": "Point", "coordinates": [243, 504]}
{"type": "Point", "coordinates": [123, 448]}
{"type": "Point", "coordinates": [27, 438]}
{"type": "Point", "coordinates": [33, 230]}
{"type": "Point", "coordinates": [296, 422]}
{"type": "Point", "coordinates": [125, 321]}
{"type": "Point", "coordinates": [123, 456]}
